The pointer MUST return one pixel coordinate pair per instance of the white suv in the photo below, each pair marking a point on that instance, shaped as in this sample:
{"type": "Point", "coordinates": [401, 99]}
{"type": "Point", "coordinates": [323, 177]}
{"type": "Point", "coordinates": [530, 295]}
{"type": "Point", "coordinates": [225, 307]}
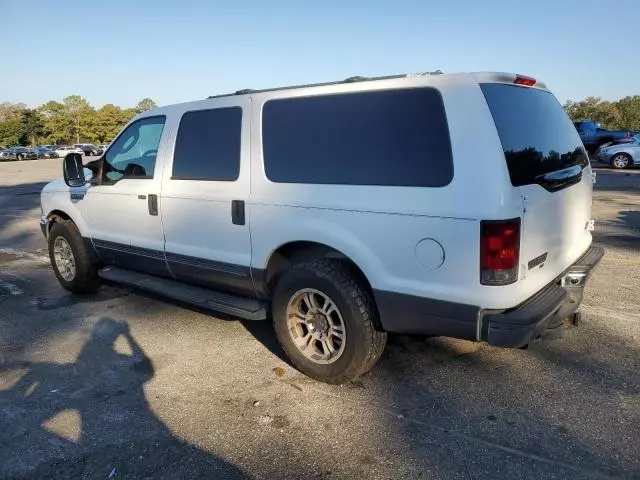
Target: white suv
{"type": "Point", "coordinates": [454, 205]}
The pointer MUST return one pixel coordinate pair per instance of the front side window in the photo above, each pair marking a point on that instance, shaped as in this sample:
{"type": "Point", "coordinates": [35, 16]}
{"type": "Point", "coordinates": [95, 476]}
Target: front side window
{"type": "Point", "coordinates": [208, 145]}
{"type": "Point", "coordinates": [133, 154]}
{"type": "Point", "coordinates": [386, 138]}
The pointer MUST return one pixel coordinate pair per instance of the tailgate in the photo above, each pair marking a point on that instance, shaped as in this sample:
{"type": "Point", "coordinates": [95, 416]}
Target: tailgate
{"type": "Point", "coordinates": [549, 167]}
{"type": "Point", "coordinates": [555, 229]}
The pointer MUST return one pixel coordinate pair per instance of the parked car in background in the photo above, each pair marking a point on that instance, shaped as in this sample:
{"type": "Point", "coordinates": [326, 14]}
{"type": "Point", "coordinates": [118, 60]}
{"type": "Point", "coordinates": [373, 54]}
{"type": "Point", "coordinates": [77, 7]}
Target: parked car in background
{"type": "Point", "coordinates": [24, 153]}
{"type": "Point", "coordinates": [89, 149]}
{"type": "Point", "coordinates": [6, 155]}
{"type": "Point", "coordinates": [634, 139]}
{"type": "Point", "coordinates": [620, 156]}
{"type": "Point", "coordinates": [45, 152]}
{"type": "Point", "coordinates": [62, 150]}
{"type": "Point", "coordinates": [104, 147]}
{"type": "Point", "coordinates": [593, 136]}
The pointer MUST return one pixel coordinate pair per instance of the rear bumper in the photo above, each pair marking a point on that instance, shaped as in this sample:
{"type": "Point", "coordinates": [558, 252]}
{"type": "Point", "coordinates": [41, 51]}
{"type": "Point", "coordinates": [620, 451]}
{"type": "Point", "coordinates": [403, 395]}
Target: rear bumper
{"type": "Point", "coordinates": [542, 315]}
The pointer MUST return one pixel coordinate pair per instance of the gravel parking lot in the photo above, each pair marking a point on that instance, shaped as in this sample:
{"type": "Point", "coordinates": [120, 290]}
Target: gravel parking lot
{"type": "Point", "coordinates": [125, 385]}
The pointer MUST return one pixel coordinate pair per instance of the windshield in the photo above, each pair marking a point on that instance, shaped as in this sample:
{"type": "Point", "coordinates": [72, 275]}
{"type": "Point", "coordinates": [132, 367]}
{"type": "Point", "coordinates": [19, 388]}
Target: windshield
{"type": "Point", "coordinates": [536, 134]}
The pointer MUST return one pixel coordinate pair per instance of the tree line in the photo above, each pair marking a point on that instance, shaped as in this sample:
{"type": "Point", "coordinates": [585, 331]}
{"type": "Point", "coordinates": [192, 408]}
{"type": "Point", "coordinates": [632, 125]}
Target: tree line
{"type": "Point", "coordinates": [623, 114]}
{"type": "Point", "coordinates": [73, 120]}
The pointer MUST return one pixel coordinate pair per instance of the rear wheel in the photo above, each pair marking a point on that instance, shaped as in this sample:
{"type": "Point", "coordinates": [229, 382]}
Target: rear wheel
{"type": "Point", "coordinates": [70, 259]}
{"type": "Point", "coordinates": [325, 320]}
{"type": "Point", "coordinates": [621, 160]}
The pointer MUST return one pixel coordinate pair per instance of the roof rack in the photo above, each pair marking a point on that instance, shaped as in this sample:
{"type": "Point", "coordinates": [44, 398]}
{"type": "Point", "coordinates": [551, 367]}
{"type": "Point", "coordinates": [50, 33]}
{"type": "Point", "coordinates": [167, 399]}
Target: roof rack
{"type": "Point", "coordinates": [346, 80]}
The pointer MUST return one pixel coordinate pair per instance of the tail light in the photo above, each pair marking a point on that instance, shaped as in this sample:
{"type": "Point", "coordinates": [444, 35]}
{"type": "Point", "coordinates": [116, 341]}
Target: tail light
{"type": "Point", "coordinates": [524, 80]}
{"type": "Point", "coordinates": [499, 251]}
{"type": "Point", "coordinates": [629, 135]}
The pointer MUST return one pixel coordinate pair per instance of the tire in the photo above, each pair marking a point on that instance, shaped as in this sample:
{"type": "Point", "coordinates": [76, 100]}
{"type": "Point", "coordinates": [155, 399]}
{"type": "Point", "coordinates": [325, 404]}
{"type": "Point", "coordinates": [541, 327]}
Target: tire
{"type": "Point", "coordinates": [19, 157]}
{"type": "Point", "coordinates": [362, 343]}
{"type": "Point", "coordinates": [85, 278]}
{"type": "Point", "coordinates": [621, 160]}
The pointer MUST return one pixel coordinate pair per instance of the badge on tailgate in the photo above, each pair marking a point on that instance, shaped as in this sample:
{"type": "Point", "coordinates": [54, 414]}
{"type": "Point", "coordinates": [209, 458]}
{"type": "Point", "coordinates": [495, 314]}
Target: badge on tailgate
{"type": "Point", "coordinates": [539, 260]}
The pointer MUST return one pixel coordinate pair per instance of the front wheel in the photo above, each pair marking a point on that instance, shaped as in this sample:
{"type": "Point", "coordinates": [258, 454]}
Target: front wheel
{"type": "Point", "coordinates": [19, 157]}
{"type": "Point", "coordinates": [70, 259]}
{"type": "Point", "coordinates": [620, 160]}
{"type": "Point", "coordinates": [325, 319]}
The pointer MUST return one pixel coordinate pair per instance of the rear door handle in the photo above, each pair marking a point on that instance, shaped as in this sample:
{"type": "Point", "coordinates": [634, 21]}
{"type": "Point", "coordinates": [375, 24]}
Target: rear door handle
{"type": "Point", "coordinates": [237, 212]}
{"type": "Point", "coordinates": [153, 204]}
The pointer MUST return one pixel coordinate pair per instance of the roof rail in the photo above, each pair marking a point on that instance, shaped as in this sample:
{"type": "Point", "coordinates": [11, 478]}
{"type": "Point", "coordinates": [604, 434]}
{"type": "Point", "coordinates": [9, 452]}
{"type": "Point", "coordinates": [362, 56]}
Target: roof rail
{"type": "Point", "coordinates": [346, 80]}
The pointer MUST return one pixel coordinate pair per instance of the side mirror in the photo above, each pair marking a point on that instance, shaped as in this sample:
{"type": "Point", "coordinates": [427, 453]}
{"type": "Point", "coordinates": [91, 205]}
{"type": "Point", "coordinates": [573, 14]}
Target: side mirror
{"type": "Point", "coordinates": [73, 170]}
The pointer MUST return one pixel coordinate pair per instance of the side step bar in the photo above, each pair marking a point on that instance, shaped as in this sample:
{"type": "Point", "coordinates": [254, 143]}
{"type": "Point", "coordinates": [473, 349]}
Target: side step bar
{"type": "Point", "coordinates": [246, 308]}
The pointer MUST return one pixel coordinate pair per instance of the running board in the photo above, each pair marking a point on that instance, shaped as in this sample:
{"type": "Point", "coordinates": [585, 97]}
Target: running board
{"type": "Point", "coordinates": [246, 308]}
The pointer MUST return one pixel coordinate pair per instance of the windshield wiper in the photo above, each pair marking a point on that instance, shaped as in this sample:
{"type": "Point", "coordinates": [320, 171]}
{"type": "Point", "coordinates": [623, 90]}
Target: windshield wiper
{"type": "Point", "coordinates": [554, 181]}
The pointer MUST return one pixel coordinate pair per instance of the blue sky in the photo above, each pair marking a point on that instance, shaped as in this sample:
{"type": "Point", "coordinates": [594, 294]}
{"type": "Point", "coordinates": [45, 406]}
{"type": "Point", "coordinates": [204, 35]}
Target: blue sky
{"type": "Point", "coordinates": [119, 51]}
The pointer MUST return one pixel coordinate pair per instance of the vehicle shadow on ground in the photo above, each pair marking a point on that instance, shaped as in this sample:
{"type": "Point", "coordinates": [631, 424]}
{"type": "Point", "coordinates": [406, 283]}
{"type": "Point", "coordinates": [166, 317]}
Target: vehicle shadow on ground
{"type": "Point", "coordinates": [25, 196]}
{"type": "Point", "coordinates": [50, 419]}
{"type": "Point", "coordinates": [501, 416]}
{"type": "Point", "coordinates": [623, 232]}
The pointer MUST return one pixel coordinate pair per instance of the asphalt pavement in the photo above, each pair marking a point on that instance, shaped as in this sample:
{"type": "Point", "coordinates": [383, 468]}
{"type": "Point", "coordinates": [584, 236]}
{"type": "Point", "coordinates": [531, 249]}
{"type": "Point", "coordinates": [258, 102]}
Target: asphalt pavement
{"type": "Point", "coordinates": [125, 385]}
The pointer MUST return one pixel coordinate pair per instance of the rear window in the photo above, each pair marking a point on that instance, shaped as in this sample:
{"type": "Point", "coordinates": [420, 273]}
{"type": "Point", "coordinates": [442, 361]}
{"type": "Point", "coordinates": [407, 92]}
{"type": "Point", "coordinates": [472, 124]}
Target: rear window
{"type": "Point", "coordinates": [536, 134]}
{"type": "Point", "coordinates": [389, 137]}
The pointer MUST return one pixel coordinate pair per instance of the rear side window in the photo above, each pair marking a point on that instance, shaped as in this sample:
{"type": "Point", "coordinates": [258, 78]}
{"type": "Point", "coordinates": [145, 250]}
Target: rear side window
{"type": "Point", "coordinates": [390, 137]}
{"type": "Point", "coordinates": [208, 145]}
{"type": "Point", "coordinates": [537, 135]}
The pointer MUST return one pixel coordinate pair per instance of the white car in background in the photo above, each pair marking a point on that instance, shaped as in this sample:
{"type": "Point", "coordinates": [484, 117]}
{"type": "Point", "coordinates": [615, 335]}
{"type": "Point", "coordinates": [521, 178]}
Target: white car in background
{"type": "Point", "coordinates": [620, 156]}
{"type": "Point", "coordinates": [63, 150]}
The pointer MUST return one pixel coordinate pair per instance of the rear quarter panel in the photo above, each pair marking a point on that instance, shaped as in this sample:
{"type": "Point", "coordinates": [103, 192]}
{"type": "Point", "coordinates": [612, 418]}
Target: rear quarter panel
{"type": "Point", "coordinates": [380, 227]}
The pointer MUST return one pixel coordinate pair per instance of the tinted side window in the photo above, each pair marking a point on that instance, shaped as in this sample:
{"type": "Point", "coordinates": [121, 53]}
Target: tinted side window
{"type": "Point", "coordinates": [390, 137]}
{"type": "Point", "coordinates": [208, 145]}
{"type": "Point", "coordinates": [133, 154]}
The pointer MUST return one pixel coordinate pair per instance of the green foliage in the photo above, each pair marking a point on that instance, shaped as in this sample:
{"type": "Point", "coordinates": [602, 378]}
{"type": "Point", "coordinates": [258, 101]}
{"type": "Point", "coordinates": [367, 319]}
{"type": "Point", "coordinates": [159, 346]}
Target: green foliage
{"type": "Point", "coordinates": [10, 132]}
{"type": "Point", "coordinates": [31, 127]}
{"type": "Point", "coordinates": [107, 122]}
{"type": "Point", "coordinates": [630, 112]}
{"type": "Point", "coordinates": [10, 111]}
{"type": "Point", "coordinates": [144, 105]}
{"type": "Point", "coordinates": [73, 120]}
{"type": "Point", "coordinates": [623, 114]}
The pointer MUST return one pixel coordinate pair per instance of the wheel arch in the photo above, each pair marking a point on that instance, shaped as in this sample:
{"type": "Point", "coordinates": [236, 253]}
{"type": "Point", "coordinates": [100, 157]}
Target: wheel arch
{"type": "Point", "coordinates": [58, 215]}
{"type": "Point", "coordinates": [294, 252]}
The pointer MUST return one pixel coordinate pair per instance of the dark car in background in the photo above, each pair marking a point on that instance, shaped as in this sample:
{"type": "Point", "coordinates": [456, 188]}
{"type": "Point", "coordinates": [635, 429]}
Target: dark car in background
{"type": "Point", "coordinates": [89, 149]}
{"type": "Point", "coordinates": [6, 155]}
{"type": "Point", "coordinates": [24, 153]}
{"type": "Point", "coordinates": [593, 136]}
{"type": "Point", "coordinates": [45, 152]}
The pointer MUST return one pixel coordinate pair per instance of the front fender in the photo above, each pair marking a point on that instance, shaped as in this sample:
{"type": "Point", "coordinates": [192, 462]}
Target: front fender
{"type": "Point", "coordinates": [59, 199]}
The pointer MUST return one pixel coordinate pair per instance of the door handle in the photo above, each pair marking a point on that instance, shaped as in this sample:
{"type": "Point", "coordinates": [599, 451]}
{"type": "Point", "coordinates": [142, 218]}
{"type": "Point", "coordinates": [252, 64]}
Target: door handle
{"type": "Point", "coordinates": [142, 197]}
{"type": "Point", "coordinates": [153, 204]}
{"type": "Point", "coordinates": [237, 212]}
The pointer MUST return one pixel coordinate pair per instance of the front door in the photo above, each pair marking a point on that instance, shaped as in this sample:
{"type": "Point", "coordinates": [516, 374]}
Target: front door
{"type": "Point", "coordinates": [123, 212]}
{"type": "Point", "coordinates": [204, 193]}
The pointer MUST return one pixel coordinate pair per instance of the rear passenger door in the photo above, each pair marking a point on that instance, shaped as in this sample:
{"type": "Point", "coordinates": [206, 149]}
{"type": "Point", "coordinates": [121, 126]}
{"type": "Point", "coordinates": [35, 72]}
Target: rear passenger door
{"type": "Point", "coordinates": [204, 194]}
